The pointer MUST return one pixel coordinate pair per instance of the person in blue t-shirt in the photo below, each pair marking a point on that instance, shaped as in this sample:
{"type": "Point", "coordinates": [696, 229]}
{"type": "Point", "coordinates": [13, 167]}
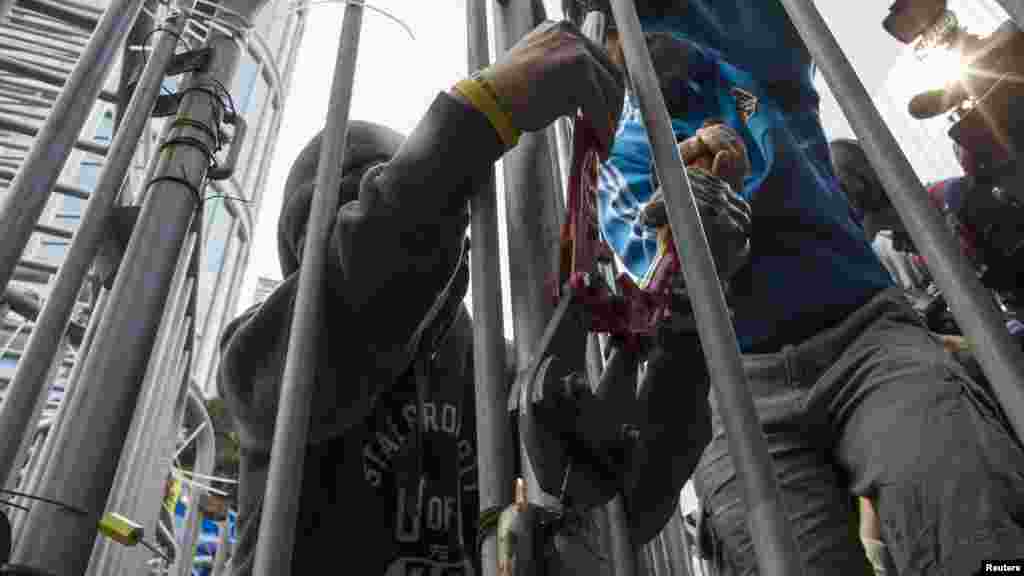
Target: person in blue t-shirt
{"type": "Point", "coordinates": [853, 393]}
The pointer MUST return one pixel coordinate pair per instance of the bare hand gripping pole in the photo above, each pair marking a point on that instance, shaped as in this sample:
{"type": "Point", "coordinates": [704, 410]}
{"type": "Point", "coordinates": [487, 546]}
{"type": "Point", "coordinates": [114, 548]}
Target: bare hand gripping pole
{"type": "Point", "coordinates": [281, 503]}
{"type": "Point", "coordinates": [975, 311]}
{"type": "Point", "coordinates": [766, 517]}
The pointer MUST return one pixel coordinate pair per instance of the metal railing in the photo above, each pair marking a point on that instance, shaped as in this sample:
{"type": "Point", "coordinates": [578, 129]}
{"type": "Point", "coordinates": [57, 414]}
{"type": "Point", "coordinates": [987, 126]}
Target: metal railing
{"type": "Point", "coordinates": [126, 346]}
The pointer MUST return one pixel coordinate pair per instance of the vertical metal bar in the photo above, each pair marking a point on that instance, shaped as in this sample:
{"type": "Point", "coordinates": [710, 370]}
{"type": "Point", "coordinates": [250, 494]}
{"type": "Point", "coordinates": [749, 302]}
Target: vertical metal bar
{"type": "Point", "coordinates": [35, 471]}
{"type": "Point", "coordinates": [678, 553]}
{"type": "Point", "coordinates": [532, 221]}
{"type": "Point", "coordinates": [221, 557]}
{"type": "Point", "coordinates": [974, 309]}
{"type": "Point", "coordinates": [27, 195]}
{"type": "Point", "coordinates": [494, 464]}
{"type": "Point", "coordinates": [206, 460]}
{"type": "Point", "coordinates": [595, 26]}
{"type": "Point", "coordinates": [679, 563]}
{"type": "Point", "coordinates": [83, 466]}
{"type": "Point", "coordinates": [766, 517]}
{"type": "Point", "coordinates": [1015, 8]}
{"type": "Point", "coordinates": [157, 466]}
{"type": "Point", "coordinates": [29, 383]}
{"type": "Point", "coordinates": [5, 9]}
{"type": "Point", "coordinates": [623, 553]}
{"type": "Point", "coordinates": [137, 443]}
{"type": "Point", "coordinates": [281, 504]}
{"type": "Point", "coordinates": [21, 447]}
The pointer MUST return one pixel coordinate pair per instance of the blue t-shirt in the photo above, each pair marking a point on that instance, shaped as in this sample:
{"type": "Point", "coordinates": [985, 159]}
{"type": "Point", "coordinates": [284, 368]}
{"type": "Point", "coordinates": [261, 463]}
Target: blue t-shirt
{"type": "Point", "coordinates": [810, 263]}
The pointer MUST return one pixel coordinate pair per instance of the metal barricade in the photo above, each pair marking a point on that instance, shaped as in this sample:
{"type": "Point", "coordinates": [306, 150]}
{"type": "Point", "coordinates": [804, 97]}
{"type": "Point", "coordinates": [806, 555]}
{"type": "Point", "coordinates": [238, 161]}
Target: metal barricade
{"type": "Point", "coordinates": [492, 433]}
{"type": "Point", "coordinates": [281, 503]}
{"type": "Point", "coordinates": [29, 381]}
{"type": "Point", "coordinates": [83, 464]}
{"type": "Point", "coordinates": [27, 195]}
{"type": "Point", "coordinates": [773, 541]}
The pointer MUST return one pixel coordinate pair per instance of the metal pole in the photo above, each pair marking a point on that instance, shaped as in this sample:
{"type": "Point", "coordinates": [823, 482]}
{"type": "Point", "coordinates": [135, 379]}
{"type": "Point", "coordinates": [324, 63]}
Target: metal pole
{"type": "Point", "coordinates": [157, 467]}
{"type": "Point", "coordinates": [83, 466]}
{"type": "Point", "coordinates": [124, 488]}
{"type": "Point", "coordinates": [678, 558]}
{"type": "Point", "coordinates": [492, 433]}
{"type": "Point", "coordinates": [974, 309]}
{"type": "Point", "coordinates": [5, 9]}
{"type": "Point", "coordinates": [29, 383]}
{"type": "Point", "coordinates": [623, 553]}
{"type": "Point", "coordinates": [71, 389]}
{"type": "Point", "coordinates": [281, 503]}
{"type": "Point", "coordinates": [25, 200]}
{"type": "Point", "coordinates": [206, 460]}
{"type": "Point", "coordinates": [766, 517]}
{"type": "Point", "coordinates": [532, 221]}
{"type": "Point", "coordinates": [1015, 8]}
{"type": "Point", "coordinates": [595, 26]}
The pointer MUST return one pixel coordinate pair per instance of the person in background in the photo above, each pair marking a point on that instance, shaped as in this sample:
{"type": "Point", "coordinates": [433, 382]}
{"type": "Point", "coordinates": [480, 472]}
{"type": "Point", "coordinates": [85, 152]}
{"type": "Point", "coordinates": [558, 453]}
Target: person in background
{"type": "Point", "coordinates": [853, 393]}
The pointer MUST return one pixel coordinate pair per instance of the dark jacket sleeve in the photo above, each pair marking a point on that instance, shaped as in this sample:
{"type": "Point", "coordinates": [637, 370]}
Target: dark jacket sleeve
{"type": "Point", "coordinates": [391, 254]}
{"type": "Point", "coordinates": [394, 250]}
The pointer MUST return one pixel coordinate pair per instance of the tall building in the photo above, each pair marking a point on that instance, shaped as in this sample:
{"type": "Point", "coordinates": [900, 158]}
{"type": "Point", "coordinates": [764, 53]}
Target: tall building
{"type": "Point", "coordinates": [41, 44]}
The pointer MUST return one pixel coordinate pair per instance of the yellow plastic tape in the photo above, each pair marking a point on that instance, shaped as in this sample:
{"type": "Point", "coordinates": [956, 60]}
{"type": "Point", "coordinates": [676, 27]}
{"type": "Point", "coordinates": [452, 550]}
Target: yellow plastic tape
{"type": "Point", "coordinates": [121, 530]}
{"type": "Point", "coordinates": [481, 99]}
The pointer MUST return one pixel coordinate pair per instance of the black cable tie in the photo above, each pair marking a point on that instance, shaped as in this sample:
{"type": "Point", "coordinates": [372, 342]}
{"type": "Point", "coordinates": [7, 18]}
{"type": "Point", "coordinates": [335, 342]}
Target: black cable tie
{"type": "Point", "coordinates": [191, 188]}
{"type": "Point", "coordinates": [190, 123]}
{"type": "Point", "coordinates": [188, 141]}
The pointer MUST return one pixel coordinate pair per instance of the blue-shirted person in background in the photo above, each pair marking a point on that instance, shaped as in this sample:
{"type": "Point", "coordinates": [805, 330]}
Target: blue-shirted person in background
{"type": "Point", "coordinates": [853, 393]}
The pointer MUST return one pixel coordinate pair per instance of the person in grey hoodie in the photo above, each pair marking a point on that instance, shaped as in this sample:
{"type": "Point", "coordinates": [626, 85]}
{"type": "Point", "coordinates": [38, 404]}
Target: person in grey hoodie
{"type": "Point", "coordinates": [389, 485]}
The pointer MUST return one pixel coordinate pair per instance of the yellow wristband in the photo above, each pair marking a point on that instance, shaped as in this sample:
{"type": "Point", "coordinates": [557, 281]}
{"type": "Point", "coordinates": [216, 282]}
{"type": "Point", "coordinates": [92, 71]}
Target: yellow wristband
{"type": "Point", "coordinates": [482, 100]}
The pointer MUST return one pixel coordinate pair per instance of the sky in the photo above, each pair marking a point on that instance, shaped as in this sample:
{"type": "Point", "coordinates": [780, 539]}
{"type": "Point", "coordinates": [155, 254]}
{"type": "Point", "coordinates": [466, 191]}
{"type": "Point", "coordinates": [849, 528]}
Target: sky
{"type": "Point", "coordinates": [397, 77]}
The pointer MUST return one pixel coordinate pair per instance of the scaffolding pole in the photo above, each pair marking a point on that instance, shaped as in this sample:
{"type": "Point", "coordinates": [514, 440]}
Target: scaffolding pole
{"type": "Point", "coordinates": [494, 463]}
{"type": "Point", "coordinates": [29, 380]}
{"type": "Point", "coordinates": [766, 518]}
{"type": "Point", "coordinates": [125, 486]}
{"type": "Point", "coordinates": [1015, 8]}
{"type": "Point", "coordinates": [26, 198]}
{"type": "Point", "coordinates": [206, 460]}
{"type": "Point", "coordinates": [34, 472]}
{"type": "Point", "coordinates": [532, 221]}
{"type": "Point", "coordinates": [82, 467]}
{"type": "Point", "coordinates": [276, 539]}
{"type": "Point", "coordinates": [974, 309]}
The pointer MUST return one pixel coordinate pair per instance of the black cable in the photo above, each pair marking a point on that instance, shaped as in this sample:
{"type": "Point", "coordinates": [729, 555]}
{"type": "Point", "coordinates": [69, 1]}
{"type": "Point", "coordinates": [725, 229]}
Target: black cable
{"type": "Point", "coordinates": [57, 503]}
{"type": "Point", "coordinates": [190, 123]}
{"type": "Point", "coordinates": [13, 505]}
{"type": "Point", "coordinates": [229, 197]}
{"type": "Point", "coordinates": [227, 94]}
{"type": "Point", "coordinates": [146, 38]}
{"type": "Point", "coordinates": [191, 188]}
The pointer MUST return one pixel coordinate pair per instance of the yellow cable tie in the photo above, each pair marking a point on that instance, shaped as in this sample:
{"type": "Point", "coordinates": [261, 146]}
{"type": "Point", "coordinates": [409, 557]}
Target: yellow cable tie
{"type": "Point", "coordinates": [481, 99]}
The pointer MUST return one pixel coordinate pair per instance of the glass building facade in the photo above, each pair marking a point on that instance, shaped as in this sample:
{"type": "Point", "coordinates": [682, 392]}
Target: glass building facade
{"type": "Point", "coordinates": [50, 41]}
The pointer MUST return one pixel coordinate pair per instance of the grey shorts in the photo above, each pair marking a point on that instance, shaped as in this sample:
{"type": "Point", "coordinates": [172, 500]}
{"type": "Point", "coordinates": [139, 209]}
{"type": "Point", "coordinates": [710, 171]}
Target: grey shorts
{"type": "Point", "coordinates": [877, 408]}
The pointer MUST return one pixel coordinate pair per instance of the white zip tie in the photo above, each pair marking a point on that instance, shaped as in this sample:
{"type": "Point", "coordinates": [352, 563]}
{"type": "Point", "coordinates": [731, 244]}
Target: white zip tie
{"type": "Point", "coordinates": [208, 477]}
{"type": "Point", "coordinates": [198, 485]}
{"type": "Point", "coordinates": [189, 440]}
